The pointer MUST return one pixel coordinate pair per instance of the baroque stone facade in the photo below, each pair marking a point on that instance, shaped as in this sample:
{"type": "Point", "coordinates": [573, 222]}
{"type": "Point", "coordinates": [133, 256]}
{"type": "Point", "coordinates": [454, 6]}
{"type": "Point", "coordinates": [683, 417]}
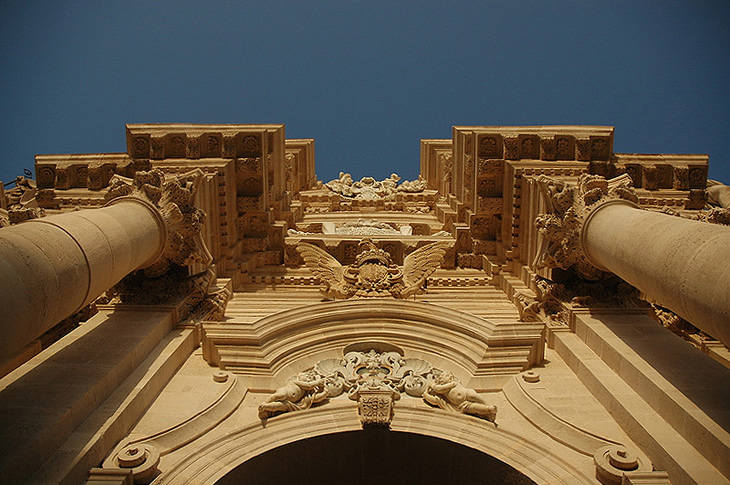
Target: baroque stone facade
{"type": "Point", "coordinates": [534, 307]}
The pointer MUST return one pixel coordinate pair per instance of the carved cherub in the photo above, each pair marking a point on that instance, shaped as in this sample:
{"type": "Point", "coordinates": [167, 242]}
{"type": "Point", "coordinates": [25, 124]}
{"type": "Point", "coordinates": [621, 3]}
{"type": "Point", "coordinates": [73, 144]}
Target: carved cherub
{"type": "Point", "coordinates": [446, 392]}
{"type": "Point", "coordinates": [300, 392]}
{"type": "Point", "coordinates": [373, 272]}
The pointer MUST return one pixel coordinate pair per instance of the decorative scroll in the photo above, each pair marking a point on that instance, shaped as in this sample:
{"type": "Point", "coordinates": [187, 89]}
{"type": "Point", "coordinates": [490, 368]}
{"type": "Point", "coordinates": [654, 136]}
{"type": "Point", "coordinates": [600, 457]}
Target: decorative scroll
{"type": "Point", "coordinates": [369, 188]}
{"type": "Point", "coordinates": [615, 464]}
{"type": "Point", "coordinates": [174, 201]}
{"type": "Point", "coordinates": [567, 206]}
{"type": "Point", "coordinates": [375, 380]}
{"type": "Point", "coordinates": [373, 274]}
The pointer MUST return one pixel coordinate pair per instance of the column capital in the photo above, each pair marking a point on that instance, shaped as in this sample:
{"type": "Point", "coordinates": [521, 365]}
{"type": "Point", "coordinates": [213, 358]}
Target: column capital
{"type": "Point", "coordinates": [171, 201]}
{"type": "Point", "coordinates": [568, 208]}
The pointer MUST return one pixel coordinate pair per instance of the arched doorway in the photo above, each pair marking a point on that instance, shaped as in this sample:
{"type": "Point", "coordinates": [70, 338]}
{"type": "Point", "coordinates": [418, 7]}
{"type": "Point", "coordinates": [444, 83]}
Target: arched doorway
{"type": "Point", "coordinates": [374, 456]}
{"type": "Point", "coordinates": [211, 461]}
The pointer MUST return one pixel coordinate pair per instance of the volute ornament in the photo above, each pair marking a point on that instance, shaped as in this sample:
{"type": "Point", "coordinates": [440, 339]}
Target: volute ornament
{"type": "Point", "coordinates": [373, 274]}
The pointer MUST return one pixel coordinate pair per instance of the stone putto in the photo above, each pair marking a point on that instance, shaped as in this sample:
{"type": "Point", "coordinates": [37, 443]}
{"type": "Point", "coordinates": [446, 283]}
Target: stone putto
{"type": "Point", "coordinates": [369, 188]}
{"type": "Point", "coordinates": [376, 380]}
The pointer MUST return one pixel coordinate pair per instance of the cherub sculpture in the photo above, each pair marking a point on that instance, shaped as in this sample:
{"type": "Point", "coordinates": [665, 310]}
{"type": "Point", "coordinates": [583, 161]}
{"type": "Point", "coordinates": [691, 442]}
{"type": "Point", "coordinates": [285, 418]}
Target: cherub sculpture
{"type": "Point", "coordinates": [300, 392]}
{"type": "Point", "coordinates": [446, 392]}
{"type": "Point", "coordinates": [373, 272]}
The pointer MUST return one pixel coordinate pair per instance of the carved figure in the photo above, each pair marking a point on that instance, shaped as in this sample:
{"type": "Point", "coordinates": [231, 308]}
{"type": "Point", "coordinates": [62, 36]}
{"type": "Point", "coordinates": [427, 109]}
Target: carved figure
{"type": "Point", "coordinates": [376, 380]}
{"type": "Point", "coordinates": [369, 188]}
{"type": "Point", "coordinates": [415, 186]}
{"type": "Point", "coordinates": [718, 194]}
{"type": "Point", "coordinates": [527, 306]}
{"type": "Point", "coordinates": [373, 272]}
{"type": "Point", "coordinates": [342, 185]}
{"type": "Point", "coordinates": [446, 392]}
{"type": "Point", "coordinates": [300, 392]}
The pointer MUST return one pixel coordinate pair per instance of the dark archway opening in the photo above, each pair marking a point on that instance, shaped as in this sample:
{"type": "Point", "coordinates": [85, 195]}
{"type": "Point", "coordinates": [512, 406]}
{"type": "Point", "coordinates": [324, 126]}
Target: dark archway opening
{"type": "Point", "coordinates": [374, 456]}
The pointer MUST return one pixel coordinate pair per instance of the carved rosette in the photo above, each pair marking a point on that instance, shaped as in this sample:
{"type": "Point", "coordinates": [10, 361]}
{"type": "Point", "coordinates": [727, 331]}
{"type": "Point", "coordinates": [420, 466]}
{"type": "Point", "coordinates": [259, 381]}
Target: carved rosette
{"type": "Point", "coordinates": [375, 380]}
{"type": "Point", "coordinates": [568, 207]}
{"type": "Point", "coordinates": [172, 200]}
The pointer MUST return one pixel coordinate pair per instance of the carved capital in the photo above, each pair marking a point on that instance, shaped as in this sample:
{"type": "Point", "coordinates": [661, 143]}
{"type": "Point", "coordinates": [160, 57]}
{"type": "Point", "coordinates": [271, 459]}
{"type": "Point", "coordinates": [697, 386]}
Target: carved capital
{"type": "Point", "coordinates": [568, 209]}
{"type": "Point", "coordinates": [172, 202]}
{"type": "Point", "coordinates": [715, 215]}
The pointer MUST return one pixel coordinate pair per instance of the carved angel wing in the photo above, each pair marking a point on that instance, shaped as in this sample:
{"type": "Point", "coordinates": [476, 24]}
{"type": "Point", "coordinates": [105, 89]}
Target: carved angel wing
{"type": "Point", "coordinates": [326, 268]}
{"type": "Point", "coordinates": [419, 265]}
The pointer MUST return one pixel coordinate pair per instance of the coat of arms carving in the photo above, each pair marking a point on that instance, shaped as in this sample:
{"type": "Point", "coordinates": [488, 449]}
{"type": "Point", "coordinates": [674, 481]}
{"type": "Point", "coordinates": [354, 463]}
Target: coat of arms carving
{"type": "Point", "coordinates": [373, 274]}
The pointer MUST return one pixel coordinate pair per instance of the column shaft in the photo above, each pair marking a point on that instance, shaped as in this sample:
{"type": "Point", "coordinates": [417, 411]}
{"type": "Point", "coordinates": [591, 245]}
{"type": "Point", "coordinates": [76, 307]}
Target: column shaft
{"type": "Point", "coordinates": [682, 264]}
{"type": "Point", "coordinates": [52, 267]}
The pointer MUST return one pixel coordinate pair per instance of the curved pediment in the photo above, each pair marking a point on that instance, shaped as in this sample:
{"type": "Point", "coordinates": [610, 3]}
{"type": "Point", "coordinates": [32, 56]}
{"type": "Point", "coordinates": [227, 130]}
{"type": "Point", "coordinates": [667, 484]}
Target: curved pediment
{"type": "Point", "coordinates": [280, 342]}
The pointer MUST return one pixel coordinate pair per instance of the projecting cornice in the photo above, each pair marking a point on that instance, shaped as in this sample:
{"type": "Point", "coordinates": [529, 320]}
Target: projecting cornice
{"type": "Point", "coordinates": [170, 140]}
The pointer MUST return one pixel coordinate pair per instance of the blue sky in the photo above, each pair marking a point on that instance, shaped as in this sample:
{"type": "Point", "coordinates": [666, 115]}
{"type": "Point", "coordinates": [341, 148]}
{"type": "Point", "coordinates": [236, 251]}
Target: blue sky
{"type": "Point", "coordinates": [366, 79]}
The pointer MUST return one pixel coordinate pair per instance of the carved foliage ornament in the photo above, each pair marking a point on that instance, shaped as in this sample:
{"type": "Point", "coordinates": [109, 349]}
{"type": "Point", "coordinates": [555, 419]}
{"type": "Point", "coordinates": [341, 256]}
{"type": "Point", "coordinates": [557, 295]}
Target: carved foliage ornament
{"type": "Point", "coordinates": [173, 200]}
{"type": "Point", "coordinates": [373, 273]}
{"type": "Point", "coordinates": [376, 380]}
{"type": "Point", "coordinates": [567, 206]}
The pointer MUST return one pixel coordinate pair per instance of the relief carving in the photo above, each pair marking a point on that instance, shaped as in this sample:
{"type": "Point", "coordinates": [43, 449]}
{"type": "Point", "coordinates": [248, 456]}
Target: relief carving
{"type": "Point", "coordinates": [445, 391]}
{"type": "Point", "coordinates": [376, 379]}
{"type": "Point", "coordinates": [300, 392]}
{"type": "Point", "coordinates": [490, 147]}
{"type": "Point", "coordinates": [361, 227]}
{"type": "Point", "coordinates": [373, 274]}
{"type": "Point", "coordinates": [369, 188]}
{"type": "Point", "coordinates": [567, 206]}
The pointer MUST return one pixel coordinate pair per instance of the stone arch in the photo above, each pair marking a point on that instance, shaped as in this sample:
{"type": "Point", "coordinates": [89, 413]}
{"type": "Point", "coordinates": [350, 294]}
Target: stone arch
{"type": "Point", "coordinates": [211, 461]}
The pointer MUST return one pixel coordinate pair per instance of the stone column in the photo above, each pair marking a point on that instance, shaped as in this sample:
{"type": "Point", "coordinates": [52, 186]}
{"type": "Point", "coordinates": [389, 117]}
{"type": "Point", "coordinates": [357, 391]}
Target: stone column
{"type": "Point", "coordinates": [680, 263]}
{"type": "Point", "coordinates": [52, 267]}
